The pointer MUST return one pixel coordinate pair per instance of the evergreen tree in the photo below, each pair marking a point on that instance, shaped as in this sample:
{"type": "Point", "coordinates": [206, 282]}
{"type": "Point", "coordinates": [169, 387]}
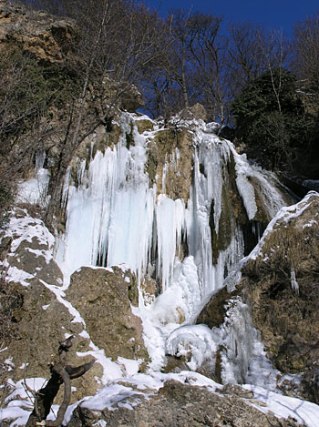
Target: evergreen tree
{"type": "Point", "coordinates": [270, 119]}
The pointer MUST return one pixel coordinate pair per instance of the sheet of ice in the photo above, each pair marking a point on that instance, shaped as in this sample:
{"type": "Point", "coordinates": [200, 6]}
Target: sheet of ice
{"type": "Point", "coordinates": [247, 192]}
{"type": "Point", "coordinates": [304, 412]}
{"type": "Point", "coordinates": [34, 190]}
{"type": "Point", "coordinates": [243, 358]}
{"type": "Point", "coordinates": [204, 211]}
{"type": "Point", "coordinates": [182, 299]}
{"type": "Point", "coordinates": [266, 186]}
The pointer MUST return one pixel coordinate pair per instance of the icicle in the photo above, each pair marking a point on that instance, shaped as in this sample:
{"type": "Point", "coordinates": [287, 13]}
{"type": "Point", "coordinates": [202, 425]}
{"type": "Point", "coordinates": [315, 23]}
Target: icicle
{"type": "Point", "coordinates": [294, 283]}
{"type": "Point", "coordinates": [170, 220]}
{"type": "Point", "coordinates": [243, 358]}
{"type": "Point", "coordinates": [40, 157]}
{"type": "Point", "coordinates": [110, 212]}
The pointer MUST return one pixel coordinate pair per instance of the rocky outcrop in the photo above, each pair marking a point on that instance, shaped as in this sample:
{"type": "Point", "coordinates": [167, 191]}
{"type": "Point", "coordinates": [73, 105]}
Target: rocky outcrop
{"type": "Point", "coordinates": [195, 112]}
{"type": "Point", "coordinates": [33, 302]}
{"type": "Point", "coordinates": [280, 281]}
{"type": "Point", "coordinates": [180, 405]}
{"type": "Point", "coordinates": [170, 162]}
{"type": "Point", "coordinates": [280, 284]}
{"type": "Point", "coordinates": [37, 33]}
{"type": "Point", "coordinates": [214, 312]}
{"type": "Point", "coordinates": [104, 299]}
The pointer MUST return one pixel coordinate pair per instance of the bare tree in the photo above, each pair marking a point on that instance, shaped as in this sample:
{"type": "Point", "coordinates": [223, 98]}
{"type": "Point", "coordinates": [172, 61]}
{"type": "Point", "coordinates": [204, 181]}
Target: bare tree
{"type": "Point", "coordinates": [306, 50]}
{"type": "Point", "coordinates": [252, 51]}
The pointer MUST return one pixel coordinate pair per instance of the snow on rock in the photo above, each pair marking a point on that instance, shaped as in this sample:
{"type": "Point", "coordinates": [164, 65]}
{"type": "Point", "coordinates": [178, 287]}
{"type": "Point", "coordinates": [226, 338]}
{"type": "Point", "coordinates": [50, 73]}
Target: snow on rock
{"type": "Point", "coordinates": [284, 216]}
{"type": "Point", "coordinates": [305, 413]}
{"type": "Point", "coordinates": [20, 401]}
{"type": "Point", "coordinates": [34, 190]}
{"type": "Point", "coordinates": [29, 249]}
{"type": "Point", "coordinates": [195, 343]}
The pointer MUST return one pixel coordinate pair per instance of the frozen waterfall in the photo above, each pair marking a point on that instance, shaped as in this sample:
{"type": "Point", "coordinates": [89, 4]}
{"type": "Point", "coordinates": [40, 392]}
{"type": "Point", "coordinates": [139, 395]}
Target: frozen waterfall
{"type": "Point", "coordinates": [115, 216]}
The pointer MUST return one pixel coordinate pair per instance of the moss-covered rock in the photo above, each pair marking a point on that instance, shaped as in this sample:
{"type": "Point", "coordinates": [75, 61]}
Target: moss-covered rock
{"type": "Point", "coordinates": [213, 313]}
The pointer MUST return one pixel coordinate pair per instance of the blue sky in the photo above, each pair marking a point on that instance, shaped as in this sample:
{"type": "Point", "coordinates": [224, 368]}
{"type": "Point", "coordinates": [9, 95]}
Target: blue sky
{"type": "Point", "coordinates": [272, 14]}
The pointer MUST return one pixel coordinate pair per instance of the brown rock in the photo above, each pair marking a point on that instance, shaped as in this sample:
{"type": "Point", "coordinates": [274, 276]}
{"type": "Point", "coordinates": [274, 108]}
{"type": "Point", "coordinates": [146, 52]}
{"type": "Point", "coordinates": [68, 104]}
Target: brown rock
{"type": "Point", "coordinates": [103, 298]}
{"type": "Point", "coordinates": [196, 111]}
{"type": "Point", "coordinates": [213, 313]}
{"type": "Point", "coordinates": [182, 405]}
{"type": "Point", "coordinates": [37, 319]}
{"type": "Point", "coordinates": [285, 311]}
{"type": "Point", "coordinates": [162, 159]}
{"type": "Point", "coordinates": [38, 33]}
{"type": "Point", "coordinates": [144, 125]}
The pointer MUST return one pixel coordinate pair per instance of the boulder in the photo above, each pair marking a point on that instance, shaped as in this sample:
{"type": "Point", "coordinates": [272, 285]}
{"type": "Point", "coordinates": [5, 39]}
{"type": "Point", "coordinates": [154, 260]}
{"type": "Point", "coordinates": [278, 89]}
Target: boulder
{"type": "Point", "coordinates": [180, 405]}
{"type": "Point", "coordinates": [104, 298]}
{"type": "Point", "coordinates": [195, 112]}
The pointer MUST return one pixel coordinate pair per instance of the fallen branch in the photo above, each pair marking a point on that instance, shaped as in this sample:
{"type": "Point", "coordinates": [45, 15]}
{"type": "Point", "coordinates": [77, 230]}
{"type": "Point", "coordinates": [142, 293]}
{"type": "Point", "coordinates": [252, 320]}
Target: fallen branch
{"type": "Point", "coordinates": [60, 374]}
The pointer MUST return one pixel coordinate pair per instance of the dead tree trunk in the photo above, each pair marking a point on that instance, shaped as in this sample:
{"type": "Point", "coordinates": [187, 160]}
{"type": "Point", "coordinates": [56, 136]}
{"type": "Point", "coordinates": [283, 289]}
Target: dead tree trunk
{"type": "Point", "coordinates": [60, 374]}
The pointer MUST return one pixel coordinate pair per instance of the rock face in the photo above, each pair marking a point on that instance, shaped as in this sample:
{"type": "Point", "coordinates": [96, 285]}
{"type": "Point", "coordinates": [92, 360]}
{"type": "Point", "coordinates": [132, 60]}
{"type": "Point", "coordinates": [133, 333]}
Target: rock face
{"type": "Point", "coordinates": [280, 284]}
{"type": "Point", "coordinates": [170, 162]}
{"type": "Point", "coordinates": [39, 34]}
{"type": "Point", "coordinates": [104, 299]}
{"type": "Point", "coordinates": [39, 319]}
{"type": "Point", "coordinates": [213, 313]}
{"type": "Point", "coordinates": [181, 405]}
{"type": "Point", "coordinates": [280, 281]}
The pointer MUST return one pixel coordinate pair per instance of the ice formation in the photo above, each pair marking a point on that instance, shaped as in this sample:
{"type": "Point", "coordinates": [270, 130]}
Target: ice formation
{"type": "Point", "coordinates": [114, 216]}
